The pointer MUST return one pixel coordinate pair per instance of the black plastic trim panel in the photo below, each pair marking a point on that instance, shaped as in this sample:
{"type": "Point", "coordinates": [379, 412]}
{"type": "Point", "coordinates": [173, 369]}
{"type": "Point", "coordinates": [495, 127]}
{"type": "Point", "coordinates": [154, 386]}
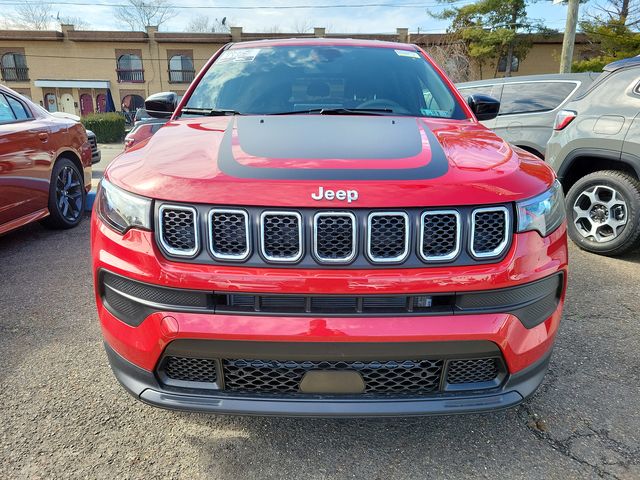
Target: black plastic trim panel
{"type": "Point", "coordinates": [132, 301]}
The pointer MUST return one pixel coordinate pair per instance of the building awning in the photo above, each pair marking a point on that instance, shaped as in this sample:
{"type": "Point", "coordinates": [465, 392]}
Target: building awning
{"type": "Point", "coordinates": [101, 84]}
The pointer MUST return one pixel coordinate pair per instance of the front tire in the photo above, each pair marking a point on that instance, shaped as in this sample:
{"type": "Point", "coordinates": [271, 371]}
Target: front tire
{"type": "Point", "coordinates": [67, 196]}
{"type": "Point", "coordinates": [603, 210]}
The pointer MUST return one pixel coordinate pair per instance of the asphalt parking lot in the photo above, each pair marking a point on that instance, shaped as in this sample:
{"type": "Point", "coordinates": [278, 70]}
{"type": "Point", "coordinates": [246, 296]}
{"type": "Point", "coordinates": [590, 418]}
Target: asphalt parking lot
{"type": "Point", "coordinates": [63, 415]}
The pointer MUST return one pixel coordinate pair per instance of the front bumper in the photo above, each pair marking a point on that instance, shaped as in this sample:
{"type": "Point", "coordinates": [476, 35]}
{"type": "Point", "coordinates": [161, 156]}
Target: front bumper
{"type": "Point", "coordinates": [144, 386]}
{"type": "Point", "coordinates": [135, 352]}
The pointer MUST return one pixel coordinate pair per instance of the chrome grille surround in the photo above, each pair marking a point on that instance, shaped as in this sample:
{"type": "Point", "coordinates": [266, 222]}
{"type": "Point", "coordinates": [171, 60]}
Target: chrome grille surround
{"type": "Point", "coordinates": [317, 241]}
{"type": "Point", "coordinates": [414, 238]}
{"type": "Point", "coordinates": [210, 231]}
{"type": "Point", "coordinates": [507, 232]}
{"type": "Point", "coordinates": [163, 230]}
{"type": "Point", "coordinates": [371, 240]}
{"type": "Point", "coordinates": [264, 216]}
{"type": "Point", "coordinates": [458, 236]}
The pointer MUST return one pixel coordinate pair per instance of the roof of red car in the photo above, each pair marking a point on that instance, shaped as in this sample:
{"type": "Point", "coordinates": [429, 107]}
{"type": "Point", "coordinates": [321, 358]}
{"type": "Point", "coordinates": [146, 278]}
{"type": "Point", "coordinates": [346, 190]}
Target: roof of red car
{"type": "Point", "coordinates": [355, 42]}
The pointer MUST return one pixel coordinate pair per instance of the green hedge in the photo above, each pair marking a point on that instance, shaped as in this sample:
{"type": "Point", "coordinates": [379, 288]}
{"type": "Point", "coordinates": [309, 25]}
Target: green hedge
{"type": "Point", "coordinates": [108, 127]}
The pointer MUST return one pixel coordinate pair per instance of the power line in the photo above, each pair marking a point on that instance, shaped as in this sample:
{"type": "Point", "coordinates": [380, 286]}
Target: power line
{"type": "Point", "coordinates": [252, 7]}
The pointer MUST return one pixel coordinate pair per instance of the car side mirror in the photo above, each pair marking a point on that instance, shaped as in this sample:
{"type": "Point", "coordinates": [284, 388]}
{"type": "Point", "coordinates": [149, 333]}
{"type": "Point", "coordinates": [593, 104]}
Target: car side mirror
{"type": "Point", "coordinates": [483, 107]}
{"type": "Point", "coordinates": [161, 105]}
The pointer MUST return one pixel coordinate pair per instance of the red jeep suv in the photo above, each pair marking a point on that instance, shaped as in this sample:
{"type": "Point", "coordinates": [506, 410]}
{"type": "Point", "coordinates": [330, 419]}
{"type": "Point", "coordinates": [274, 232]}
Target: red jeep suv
{"type": "Point", "coordinates": [324, 228]}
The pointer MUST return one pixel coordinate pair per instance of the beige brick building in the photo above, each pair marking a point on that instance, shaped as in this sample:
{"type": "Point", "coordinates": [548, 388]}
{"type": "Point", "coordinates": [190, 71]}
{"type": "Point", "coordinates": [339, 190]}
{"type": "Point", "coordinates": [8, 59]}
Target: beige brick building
{"type": "Point", "coordinates": [71, 70]}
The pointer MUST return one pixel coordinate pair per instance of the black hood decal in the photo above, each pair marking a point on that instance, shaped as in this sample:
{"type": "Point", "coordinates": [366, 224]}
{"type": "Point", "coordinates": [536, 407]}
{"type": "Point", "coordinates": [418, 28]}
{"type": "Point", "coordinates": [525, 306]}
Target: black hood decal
{"type": "Point", "coordinates": [366, 139]}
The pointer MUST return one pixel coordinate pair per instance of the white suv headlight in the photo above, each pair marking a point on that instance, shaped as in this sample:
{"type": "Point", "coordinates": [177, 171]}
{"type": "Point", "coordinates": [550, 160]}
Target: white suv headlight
{"type": "Point", "coordinates": [122, 210]}
{"type": "Point", "coordinates": [543, 213]}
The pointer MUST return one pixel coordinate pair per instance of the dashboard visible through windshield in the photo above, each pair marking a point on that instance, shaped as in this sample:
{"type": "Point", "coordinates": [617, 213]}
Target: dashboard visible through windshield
{"type": "Point", "coordinates": [323, 79]}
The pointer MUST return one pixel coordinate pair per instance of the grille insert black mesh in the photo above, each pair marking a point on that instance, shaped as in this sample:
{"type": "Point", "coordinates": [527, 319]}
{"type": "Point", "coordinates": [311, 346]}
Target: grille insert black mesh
{"type": "Point", "coordinates": [229, 232]}
{"type": "Point", "coordinates": [472, 371]}
{"type": "Point", "coordinates": [191, 369]}
{"type": "Point", "coordinates": [380, 377]}
{"type": "Point", "coordinates": [439, 235]}
{"type": "Point", "coordinates": [388, 236]}
{"type": "Point", "coordinates": [489, 232]}
{"type": "Point", "coordinates": [281, 236]}
{"type": "Point", "coordinates": [334, 237]}
{"type": "Point", "coordinates": [178, 230]}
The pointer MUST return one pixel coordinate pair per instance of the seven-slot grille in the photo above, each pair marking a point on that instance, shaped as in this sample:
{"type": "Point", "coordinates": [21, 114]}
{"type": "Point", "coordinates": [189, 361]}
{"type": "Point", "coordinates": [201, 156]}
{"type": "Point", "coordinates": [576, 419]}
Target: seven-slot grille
{"type": "Point", "coordinates": [464, 235]}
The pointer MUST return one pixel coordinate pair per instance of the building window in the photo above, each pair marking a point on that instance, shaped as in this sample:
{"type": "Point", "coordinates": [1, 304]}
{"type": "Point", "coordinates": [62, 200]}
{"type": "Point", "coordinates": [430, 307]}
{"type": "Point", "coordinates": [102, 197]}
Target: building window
{"type": "Point", "coordinates": [130, 69]}
{"type": "Point", "coordinates": [502, 64]}
{"type": "Point", "coordinates": [181, 69]}
{"type": "Point", "coordinates": [14, 67]}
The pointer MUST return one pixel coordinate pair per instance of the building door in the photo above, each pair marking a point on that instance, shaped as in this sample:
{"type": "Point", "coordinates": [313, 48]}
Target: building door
{"type": "Point", "coordinates": [101, 103]}
{"type": "Point", "coordinates": [86, 104]}
{"type": "Point", "coordinates": [51, 102]}
{"type": "Point", "coordinates": [66, 104]}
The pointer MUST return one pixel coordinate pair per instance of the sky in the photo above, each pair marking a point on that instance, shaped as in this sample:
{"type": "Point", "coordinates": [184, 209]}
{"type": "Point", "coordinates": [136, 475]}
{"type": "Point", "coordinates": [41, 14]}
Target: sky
{"type": "Point", "coordinates": [263, 16]}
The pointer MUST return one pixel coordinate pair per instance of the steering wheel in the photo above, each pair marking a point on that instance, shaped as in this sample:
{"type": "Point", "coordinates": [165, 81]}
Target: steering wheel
{"type": "Point", "coordinates": [384, 103]}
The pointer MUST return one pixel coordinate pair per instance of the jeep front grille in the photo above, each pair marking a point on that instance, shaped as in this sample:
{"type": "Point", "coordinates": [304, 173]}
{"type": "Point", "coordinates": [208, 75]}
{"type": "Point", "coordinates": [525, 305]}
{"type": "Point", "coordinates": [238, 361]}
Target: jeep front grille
{"type": "Point", "coordinates": [281, 236]}
{"type": "Point", "coordinates": [388, 237]}
{"type": "Point", "coordinates": [489, 236]}
{"type": "Point", "coordinates": [334, 237]}
{"type": "Point", "coordinates": [229, 234]}
{"type": "Point", "coordinates": [359, 238]}
{"type": "Point", "coordinates": [440, 235]}
{"type": "Point", "coordinates": [179, 230]}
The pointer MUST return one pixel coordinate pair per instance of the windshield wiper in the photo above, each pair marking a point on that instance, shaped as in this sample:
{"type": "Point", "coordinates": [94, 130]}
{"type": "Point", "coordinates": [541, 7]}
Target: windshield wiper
{"type": "Point", "coordinates": [211, 112]}
{"type": "Point", "coordinates": [340, 111]}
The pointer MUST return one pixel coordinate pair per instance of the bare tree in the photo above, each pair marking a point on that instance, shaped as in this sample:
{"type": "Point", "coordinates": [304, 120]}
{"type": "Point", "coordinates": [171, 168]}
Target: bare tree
{"type": "Point", "coordinates": [272, 29]}
{"type": "Point", "coordinates": [453, 58]}
{"type": "Point", "coordinates": [138, 14]}
{"type": "Point", "coordinates": [302, 25]}
{"type": "Point", "coordinates": [31, 16]}
{"type": "Point", "coordinates": [208, 25]}
{"type": "Point", "coordinates": [78, 23]}
{"type": "Point", "coordinates": [619, 12]}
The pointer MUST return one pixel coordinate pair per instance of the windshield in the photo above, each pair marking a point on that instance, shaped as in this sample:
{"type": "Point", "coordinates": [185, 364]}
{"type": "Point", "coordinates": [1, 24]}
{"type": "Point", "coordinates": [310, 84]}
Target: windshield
{"type": "Point", "coordinates": [320, 79]}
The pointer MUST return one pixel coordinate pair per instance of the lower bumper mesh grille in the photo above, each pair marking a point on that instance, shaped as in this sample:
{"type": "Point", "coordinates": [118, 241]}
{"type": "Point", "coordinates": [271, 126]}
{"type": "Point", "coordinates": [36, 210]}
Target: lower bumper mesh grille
{"type": "Point", "coordinates": [386, 377]}
{"type": "Point", "coordinates": [259, 376]}
{"type": "Point", "coordinates": [475, 370]}
{"type": "Point", "coordinates": [191, 369]}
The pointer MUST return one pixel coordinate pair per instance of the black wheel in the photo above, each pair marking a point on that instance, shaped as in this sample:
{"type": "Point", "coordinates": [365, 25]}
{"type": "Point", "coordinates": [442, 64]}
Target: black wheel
{"type": "Point", "coordinates": [66, 195]}
{"type": "Point", "coordinates": [603, 211]}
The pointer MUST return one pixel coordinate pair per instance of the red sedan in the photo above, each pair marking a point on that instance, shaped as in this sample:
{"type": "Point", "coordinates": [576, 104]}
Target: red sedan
{"type": "Point", "coordinates": [45, 165]}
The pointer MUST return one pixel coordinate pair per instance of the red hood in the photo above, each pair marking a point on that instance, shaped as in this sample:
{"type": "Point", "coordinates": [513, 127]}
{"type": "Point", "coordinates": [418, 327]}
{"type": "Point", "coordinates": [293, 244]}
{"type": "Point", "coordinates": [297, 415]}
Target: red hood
{"type": "Point", "coordinates": [281, 161]}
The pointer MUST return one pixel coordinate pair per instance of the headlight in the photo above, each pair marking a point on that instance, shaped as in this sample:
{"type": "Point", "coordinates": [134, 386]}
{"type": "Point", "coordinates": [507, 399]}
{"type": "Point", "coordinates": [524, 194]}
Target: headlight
{"type": "Point", "coordinates": [543, 213]}
{"type": "Point", "coordinates": [122, 210]}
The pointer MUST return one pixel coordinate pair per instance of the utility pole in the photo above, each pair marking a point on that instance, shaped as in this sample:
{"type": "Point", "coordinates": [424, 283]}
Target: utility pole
{"type": "Point", "coordinates": [569, 37]}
